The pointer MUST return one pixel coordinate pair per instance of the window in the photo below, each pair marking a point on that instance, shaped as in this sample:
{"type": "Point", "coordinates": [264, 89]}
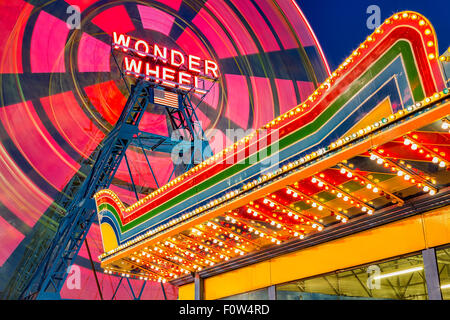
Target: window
{"type": "Point", "coordinates": [400, 279]}
{"type": "Point", "coordinates": [443, 262]}
{"type": "Point", "coordinates": [262, 294]}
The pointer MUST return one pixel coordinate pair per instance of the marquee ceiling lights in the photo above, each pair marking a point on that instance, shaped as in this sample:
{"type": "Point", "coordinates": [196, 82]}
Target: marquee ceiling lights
{"type": "Point", "coordinates": [218, 240]}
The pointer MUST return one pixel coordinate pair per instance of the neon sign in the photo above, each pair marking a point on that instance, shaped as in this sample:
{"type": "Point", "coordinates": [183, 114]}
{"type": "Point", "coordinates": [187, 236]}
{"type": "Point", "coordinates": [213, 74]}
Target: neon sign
{"type": "Point", "coordinates": [168, 67]}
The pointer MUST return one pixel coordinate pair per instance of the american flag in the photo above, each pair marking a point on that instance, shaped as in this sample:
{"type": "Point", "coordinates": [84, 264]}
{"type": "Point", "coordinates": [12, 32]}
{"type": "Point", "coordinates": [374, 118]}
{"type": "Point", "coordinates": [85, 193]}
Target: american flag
{"type": "Point", "coordinates": [166, 98]}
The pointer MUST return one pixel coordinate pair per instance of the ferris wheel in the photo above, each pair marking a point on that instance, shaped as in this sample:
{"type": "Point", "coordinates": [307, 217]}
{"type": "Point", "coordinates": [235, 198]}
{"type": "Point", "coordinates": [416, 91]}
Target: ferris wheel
{"type": "Point", "coordinates": [62, 93]}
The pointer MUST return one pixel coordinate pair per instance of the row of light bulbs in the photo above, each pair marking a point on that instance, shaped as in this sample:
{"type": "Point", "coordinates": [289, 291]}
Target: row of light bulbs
{"type": "Point", "coordinates": [403, 173]}
{"type": "Point", "coordinates": [140, 276]}
{"type": "Point", "coordinates": [435, 158]}
{"type": "Point", "coordinates": [343, 195]}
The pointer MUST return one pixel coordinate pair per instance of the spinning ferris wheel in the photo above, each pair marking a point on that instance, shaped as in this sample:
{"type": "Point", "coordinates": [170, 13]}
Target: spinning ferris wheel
{"type": "Point", "coordinates": [62, 91]}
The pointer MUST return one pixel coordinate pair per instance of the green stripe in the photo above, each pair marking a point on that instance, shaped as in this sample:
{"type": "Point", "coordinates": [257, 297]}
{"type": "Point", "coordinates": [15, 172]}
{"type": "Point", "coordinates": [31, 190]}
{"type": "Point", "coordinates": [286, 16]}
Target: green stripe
{"type": "Point", "coordinates": [110, 208]}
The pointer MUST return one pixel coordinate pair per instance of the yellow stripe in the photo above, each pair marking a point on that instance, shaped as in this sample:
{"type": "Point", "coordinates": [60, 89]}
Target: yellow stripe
{"type": "Point", "coordinates": [382, 110]}
{"type": "Point", "coordinates": [108, 237]}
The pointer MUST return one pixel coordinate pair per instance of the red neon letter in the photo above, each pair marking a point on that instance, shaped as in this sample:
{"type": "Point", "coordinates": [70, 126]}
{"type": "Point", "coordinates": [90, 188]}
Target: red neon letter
{"type": "Point", "coordinates": [158, 53]}
{"type": "Point", "coordinates": [197, 89]}
{"type": "Point", "coordinates": [211, 66]}
{"type": "Point", "coordinates": [194, 61]}
{"type": "Point", "coordinates": [146, 48]}
{"type": "Point", "coordinates": [184, 78]}
{"type": "Point", "coordinates": [152, 72]}
{"type": "Point", "coordinates": [123, 41]}
{"type": "Point", "coordinates": [174, 53]}
{"type": "Point", "coordinates": [168, 74]}
{"type": "Point", "coordinates": [132, 66]}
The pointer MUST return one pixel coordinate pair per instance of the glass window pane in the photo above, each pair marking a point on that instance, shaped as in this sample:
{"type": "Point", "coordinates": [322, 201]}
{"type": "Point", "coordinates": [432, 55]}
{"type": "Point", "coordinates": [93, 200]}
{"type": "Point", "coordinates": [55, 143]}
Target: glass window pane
{"type": "Point", "coordinates": [262, 294]}
{"type": "Point", "coordinates": [400, 279]}
{"type": "Point", "coordinates": [443, 261]}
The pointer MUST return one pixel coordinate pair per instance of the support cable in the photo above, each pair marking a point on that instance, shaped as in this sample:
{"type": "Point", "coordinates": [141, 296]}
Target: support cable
{"type": "Point", "coordinates": [93, 269]}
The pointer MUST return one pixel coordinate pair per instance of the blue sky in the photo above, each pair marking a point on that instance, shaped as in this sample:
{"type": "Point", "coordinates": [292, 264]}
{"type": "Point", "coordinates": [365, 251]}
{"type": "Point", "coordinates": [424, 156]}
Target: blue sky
{"type": "Point", "coordinates": [340, 25]}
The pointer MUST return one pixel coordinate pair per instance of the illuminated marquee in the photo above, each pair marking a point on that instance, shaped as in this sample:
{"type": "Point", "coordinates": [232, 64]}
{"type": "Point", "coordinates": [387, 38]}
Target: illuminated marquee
{"type": "Point", "coordinates": [169, 67]}
{"type": "Point", "coordinates": [322, 176]}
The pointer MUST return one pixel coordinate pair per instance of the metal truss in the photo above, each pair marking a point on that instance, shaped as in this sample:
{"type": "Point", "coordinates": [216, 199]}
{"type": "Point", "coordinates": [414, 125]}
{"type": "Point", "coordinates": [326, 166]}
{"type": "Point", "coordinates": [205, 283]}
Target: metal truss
{"type": "Point", "coordinates": [49, 277]}
{"type": "Point", "coordinates": [139, 295]}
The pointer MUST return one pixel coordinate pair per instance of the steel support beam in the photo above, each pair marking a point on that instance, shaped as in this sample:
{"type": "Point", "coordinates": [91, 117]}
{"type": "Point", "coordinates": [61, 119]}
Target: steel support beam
{"type": "Point", "coordinates": [44, 276]}
{"type": "Point", "coordinates": [431, 274]}
{"type": "Point", "coordinates": [51, 273]}
{"type": "Point", "coordinates": [272, 292]}
{"type": "Point", "coordinates": [163, 291]}
{"type": "Point", "coordinates": [198, 286]}
{"type": "Point", "coordinates": [117, 288]}
{"type": "Point", "coordinates": [93, 270]}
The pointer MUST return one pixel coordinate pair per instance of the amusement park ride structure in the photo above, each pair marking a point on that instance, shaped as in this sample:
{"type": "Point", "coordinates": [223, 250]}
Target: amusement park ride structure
{"type": "Point", "coordinates": [194, 215]}
{"type": "Point", "coordinates": [62, 95]}
{"type": "Point", "coordinates": [189, 139]}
